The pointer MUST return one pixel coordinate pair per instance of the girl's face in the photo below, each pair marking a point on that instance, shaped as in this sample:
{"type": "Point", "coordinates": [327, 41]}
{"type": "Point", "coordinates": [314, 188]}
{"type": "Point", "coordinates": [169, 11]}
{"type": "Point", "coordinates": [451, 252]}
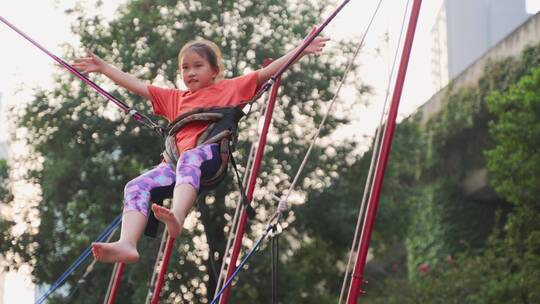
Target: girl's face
{"type": "Point", "coordinates": [197, 73]}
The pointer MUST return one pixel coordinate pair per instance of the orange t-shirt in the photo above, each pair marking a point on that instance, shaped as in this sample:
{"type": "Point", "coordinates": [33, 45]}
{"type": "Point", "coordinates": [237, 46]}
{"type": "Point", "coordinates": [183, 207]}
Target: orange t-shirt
{"type": "Point", "coordinates": [171, 103]}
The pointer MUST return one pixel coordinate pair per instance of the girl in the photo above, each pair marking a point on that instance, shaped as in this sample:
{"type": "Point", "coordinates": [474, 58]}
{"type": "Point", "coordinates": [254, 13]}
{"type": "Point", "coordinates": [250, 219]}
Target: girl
{"type": "Point", "coordinates": [201, 70]}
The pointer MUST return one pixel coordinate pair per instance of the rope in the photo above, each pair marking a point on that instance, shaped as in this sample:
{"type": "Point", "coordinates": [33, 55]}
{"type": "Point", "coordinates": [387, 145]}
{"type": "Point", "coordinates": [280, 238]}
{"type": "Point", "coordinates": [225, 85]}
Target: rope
{"type": "Point", "coordinates": [145, 120]}
{"type": "Point", "coordinates": [86, 253]}
{"type": "Point", "coordinates": [111, 283]}
{"type": "Point", "coordinates": [244, 261]}
{"type": "Point", "coordinates": [155, 270]}
{"type": "Point", "coordinates": [376, 151]}
{"type": "Point", "coordinates": [236, 217]}
{"type": "Point", "coordinates": [283, 205]}
{"type": "Point", "coordinates": [89, 269]}
{"type": "Point", "coordinates": [275, 268]}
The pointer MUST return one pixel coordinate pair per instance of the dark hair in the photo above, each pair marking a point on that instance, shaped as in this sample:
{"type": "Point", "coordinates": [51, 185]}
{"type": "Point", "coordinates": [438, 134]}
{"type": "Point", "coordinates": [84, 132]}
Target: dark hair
{"type": "Point", "coordinates": [206, 49]}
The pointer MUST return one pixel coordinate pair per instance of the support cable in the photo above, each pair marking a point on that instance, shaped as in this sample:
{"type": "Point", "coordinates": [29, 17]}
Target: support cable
{"type": "Point", "coordinates": [382, 162]}
{"type": "Point", "coordinates": [155, 271]}
{"type": "Point", "coordinates": [251, 186]}
{"type": "Point", "coordinates": [283, 201]}
{"type": "Point", "coordinates": [275, 267]}
{"type": "Point", "coordinates": [114, 273]}
{"type": "Point", "coordinates": [234, 223]}
{"type": "Point", "coordinates": [86, 253]}
{"type": "Point", "coordinates": [143, 119]}
{"type": "Point", "coordinates": [374, 156]}
{"type": "Point", "coordinates": [244, 261]}
{"type": "Point", "coordinates": [88, 270]}
{"type": "Point", "coordinates": [282, 206]}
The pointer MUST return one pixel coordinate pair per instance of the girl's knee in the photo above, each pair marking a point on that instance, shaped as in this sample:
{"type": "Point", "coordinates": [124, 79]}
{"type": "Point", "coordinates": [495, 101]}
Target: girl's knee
{"type": "Point", "coordinates": [130, 185]}
{"type": "Point", "coordinates": [134, 185]}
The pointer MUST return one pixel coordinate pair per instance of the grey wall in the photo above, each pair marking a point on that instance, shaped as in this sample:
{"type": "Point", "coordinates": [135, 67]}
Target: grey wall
{"type": "Point", "coordinates": [527, 34]}
{"type": "Point", "coordinates": [475, 26]}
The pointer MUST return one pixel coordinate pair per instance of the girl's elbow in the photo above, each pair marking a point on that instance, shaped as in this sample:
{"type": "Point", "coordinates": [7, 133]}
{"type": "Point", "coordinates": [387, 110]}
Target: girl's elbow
{"type": "Point", "coordinates": [144, 92]}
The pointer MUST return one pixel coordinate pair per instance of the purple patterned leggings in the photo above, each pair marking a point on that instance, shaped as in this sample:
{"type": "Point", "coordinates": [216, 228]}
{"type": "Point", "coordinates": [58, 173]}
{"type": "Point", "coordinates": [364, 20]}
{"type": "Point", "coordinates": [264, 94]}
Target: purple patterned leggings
{"type": "Point", "coordinates": [188, 171]}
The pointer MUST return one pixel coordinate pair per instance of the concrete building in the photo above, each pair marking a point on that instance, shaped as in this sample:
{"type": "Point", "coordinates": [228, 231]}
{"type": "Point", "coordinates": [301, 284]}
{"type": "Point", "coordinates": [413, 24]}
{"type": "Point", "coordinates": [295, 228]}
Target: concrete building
{"type": "Point", "coordinates": [466, 29]}
{"type": "Point", "coordinates": [475, 183]}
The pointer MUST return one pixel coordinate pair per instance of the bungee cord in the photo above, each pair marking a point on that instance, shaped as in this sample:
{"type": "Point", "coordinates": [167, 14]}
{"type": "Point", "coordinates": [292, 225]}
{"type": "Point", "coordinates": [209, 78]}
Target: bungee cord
{"type": "Point", "coordinates": [282, 206]}
{"type": "Point", "coordinates": [274, 79]}
{"type": "Point", "coordinates": [283, 202]}
{"type": "Point", "coordinates": [355, 288]}
{"type": "Point", "coordinates": [243, 262]}
{"type": "Point", "coordinates": [117, 267]}
{"type": "Point", "coordinates": [155, 272]}
{"type": "Point", "coordinates": [235, 221]}
{"type": "Point", "coordinates": [89, 269]}
{"type": "Point", "coordinates": [307, 41]}
{"type": "Point", "coordinates": [86, 253]}
{"type": "Point", "coordinates": [143, 119]}
{"type": "Point", "coordinates": [371, 170]}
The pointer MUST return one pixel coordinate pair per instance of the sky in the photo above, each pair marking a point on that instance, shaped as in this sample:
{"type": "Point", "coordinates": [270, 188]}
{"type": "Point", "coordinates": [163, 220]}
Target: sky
{"type": "Point", "coordinates": [23, 66]}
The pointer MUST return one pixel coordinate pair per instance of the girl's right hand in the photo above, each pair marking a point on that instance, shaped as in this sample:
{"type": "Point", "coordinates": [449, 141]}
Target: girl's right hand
{"type": "Point", "coordinates": [91, 63]}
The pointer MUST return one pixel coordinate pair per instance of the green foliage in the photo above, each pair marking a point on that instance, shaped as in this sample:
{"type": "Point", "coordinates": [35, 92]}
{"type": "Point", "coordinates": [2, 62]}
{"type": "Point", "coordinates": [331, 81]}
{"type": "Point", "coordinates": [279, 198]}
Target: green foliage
{"type": "Point", "coordinates": [443, 221]}
{"type": "Point", "coordinates": [448, 147]}
{"type": "Point", "coordinates": [4, 191]}
{"type": "Point", "coordinates": [514, 162]}
{"type": "Point", "coordinates": [499, 273]}
{"type": "Point", "coordinates": [5, 197]}
{"type": "Point", "coordinates": [504, 109]}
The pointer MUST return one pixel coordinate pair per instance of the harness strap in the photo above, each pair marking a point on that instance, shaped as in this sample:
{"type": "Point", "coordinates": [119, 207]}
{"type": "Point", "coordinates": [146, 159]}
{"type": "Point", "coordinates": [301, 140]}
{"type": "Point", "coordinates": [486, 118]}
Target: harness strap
{"type": "Point", "coordinates": [249, 210]}
{"type": "Point", "coordinates": [180, 123]}
{"type": "Point", "coordinates": [222, 130]}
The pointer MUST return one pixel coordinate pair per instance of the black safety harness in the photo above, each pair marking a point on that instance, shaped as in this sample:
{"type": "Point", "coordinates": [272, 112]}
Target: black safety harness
{"type": "Point", "coordinates": [223, 130]}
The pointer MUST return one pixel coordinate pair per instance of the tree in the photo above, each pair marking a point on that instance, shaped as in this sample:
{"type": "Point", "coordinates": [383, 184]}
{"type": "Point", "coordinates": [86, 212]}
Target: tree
{"type": "Point", "coordinates": [89, 151]}
{"type": "Point", "coordinates": [5, 197]}
{"type": "Point", "coordinates": [513, 164]}
{"type": "Point", "coordinates": [505, 269]}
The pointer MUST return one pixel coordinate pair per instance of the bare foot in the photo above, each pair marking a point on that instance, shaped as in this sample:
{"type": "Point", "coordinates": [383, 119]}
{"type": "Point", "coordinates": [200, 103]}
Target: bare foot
{"type": "Point", "coordinates": [167, 216]}
{"type": "Point", "coordinates": [117, 252]}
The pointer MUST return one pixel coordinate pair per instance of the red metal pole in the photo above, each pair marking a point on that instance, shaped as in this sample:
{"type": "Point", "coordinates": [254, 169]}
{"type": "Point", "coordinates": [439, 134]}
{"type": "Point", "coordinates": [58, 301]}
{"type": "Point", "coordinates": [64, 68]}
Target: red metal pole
{"type": "Point", "coordinates": [262, 142]}
{"type": "Point", "coordinates": [162, 271]}
{"type": "Point", "coordinates": [116, 283]}
{"type": "Point", "coordinates": [251, 186]}
{"type": "Point", "coordinates": [367, 229]}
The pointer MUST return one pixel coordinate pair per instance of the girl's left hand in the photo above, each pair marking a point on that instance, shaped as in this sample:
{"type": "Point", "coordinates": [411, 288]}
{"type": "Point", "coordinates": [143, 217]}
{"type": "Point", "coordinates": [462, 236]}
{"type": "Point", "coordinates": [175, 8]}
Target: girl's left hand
{"type": "Point", "coordinates": [316, 46]}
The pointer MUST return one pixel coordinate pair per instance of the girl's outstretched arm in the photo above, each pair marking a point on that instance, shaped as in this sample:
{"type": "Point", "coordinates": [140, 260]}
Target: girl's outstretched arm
{"type": "Point", "coordinates": [92, 63]}
{"type": "Point", "coordinates": [314, 48]}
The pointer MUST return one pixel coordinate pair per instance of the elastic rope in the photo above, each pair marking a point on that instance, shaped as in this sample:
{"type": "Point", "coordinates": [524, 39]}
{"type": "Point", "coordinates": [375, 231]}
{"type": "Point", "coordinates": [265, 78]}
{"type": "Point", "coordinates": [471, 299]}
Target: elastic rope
{"type": "Point", "coordinates": [275, 268]}
{"type": "Point", "coordinates": [89, 269]}
{"type": "Point", "coordinates": [155, 270]}
{"type": "Point", "coordinates": [241, 265]}
{"type": "Point", "coordinates": [111, 282]}
{"type": "Point", "coordinates": [307, 41]}
{"type": "Point", "coordinates": [145, 120]}
{"type": "Point", "coordinates": [283, 205]}
{"type": "Point", "coordinates": [80, 260]}
{"type": "Point", "coordinates": [372, 166]}
{"type": "Point", "coordinates": [236, 217]}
